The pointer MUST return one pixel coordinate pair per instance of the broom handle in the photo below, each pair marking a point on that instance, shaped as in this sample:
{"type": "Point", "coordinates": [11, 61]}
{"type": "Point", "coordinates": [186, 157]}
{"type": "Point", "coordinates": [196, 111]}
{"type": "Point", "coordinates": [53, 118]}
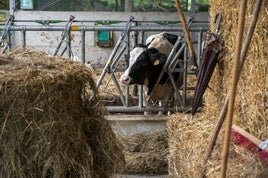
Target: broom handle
{"type": "Point", "coordinates": [235, 78]}
{"type": "Point", "coordinates": [185, 28]}
{"type": "Point", "coordinates": [224, 109]}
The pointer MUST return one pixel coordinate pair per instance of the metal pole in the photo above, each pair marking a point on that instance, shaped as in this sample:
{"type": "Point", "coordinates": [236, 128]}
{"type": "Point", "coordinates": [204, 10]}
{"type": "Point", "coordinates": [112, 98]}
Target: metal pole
{"type": "Point", "coordinates": [23, 38]}
{"type": "Point", "coordinates": [69, 41]}
{"type": "Point", "coordinates": [83, 43]}
{"type": "Point", "coordinates": [99, 28]}
{"type": "Point", "coordinates": [136, 109]}
{"type": "Point", "coordinates": [11, 7]}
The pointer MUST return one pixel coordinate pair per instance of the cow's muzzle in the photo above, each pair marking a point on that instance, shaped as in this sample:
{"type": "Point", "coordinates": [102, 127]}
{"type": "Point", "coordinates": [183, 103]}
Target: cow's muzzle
{"type": "Point", "coordinates": [125, 80]}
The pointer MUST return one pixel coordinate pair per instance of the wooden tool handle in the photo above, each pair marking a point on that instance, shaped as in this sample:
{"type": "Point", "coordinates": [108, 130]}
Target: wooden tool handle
{"type": "Point", "coordinates": [185, 28]}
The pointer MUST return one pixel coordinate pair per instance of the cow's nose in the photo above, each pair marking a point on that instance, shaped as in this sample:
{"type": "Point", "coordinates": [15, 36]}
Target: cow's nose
{"type": "Point", "coordinates": [125, 80]}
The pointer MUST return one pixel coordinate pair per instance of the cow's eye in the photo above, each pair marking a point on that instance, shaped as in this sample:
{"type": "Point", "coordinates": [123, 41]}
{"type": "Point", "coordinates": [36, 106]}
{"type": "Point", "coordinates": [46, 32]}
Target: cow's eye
{"type": "Point", "coordinates": [143, 62]}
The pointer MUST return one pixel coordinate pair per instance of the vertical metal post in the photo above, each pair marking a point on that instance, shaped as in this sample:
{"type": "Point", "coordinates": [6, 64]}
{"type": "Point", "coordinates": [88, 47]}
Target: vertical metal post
{"type": "Point", "coordinates": [9, 40]}
{"type": "Point", "coordinates": [140, 87]}
{"type": "Point", "coordinates": [141, 95]}
{"type": "Point", "coordinates": [11, 12]}
{"type": "Point", "coordinates": [69, 44]}
{"type": "Point", "coordinates": [193, 6]}
{"type": "Point", "coordinates": [23, 38]}
{"type": "Point", "coordinates": [83, 43]}
{"type": "Point", "coordinates": [184, 86]}
{"type": "Point", "coordinates": [11, 7]}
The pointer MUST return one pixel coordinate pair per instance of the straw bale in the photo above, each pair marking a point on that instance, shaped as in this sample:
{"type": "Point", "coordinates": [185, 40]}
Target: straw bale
{"type": "Point", "coordinates": [146, 153]}
{"type": "Point", "coordinates": [252, 89]}
{"type": "Point", "coordinates": [188, 141]}
{"type": "Point", "coordinates": [48, 128]}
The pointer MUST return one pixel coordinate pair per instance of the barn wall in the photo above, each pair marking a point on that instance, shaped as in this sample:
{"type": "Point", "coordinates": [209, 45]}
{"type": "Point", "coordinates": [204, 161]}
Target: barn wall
{"type": "Point", "coordinates": [47, 41]}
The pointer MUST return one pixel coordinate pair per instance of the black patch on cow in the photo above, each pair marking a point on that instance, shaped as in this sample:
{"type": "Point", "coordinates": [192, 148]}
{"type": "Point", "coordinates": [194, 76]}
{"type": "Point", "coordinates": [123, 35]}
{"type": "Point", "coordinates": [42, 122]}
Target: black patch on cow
{"type": "Point", "coordinates": [171, 37]}
{"type": "Point", "coordinates": [127, 56]}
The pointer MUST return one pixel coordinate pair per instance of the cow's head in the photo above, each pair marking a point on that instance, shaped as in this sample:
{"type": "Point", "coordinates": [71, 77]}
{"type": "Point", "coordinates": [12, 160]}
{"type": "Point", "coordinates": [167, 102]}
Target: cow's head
{"type": "Point", "coordinates": [134, 54]}
{"type": "Point", "coordinates": [146, 66]}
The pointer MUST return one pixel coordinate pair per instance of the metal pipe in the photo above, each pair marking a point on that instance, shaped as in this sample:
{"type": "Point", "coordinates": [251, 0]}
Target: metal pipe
{"type": "Point", "coordinates": [164, 22]}
{"type": "Point", "coordinates": [140, 87]}
{"type": "Point", "coordinates": [184, 85]}
{"type": "Point", "coordinates": [83, 44]}
{"type": "Point", "coordinates": [69, 41]}
{"type": "Point", "coordinates": [116, 59]}
{"type": "Point", "coordinates": [11, 7]}
{"type": "Point", "coordinates": [135, 109]}
{"type": "Point", "coordinates": [99, 28]}
{"type": "Point", "coordinates": [23, 38]}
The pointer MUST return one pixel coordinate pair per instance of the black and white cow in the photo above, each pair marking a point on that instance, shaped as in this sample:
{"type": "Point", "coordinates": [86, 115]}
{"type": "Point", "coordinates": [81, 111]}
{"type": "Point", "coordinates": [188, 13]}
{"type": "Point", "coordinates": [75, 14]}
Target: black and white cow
{"type": "Point", "coordinates": [146, 69]}
{"type": "Point", "coordinates": [146, 63]}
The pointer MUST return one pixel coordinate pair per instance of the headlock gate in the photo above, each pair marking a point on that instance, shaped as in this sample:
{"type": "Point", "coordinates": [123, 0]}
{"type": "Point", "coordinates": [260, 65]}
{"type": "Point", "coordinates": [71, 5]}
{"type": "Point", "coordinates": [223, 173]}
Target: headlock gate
{"type": "Point", "coordinates": [132, 33]}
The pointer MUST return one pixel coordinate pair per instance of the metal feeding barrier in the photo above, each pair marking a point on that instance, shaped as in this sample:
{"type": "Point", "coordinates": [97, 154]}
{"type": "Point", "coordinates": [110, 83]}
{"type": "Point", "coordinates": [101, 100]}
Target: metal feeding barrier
{"type": "Point", "coordinates": [5, 37]}
{"type": "Point", "coordinates": [65, 37]}
{"type": "Point", "coordinates": [121, 47]}
{"type": "Point", "coordinates": [114, 58]}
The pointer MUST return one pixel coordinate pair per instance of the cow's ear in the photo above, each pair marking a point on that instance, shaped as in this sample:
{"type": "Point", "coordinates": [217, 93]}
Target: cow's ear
{"type": "Point", "coordinates": [156, 62]}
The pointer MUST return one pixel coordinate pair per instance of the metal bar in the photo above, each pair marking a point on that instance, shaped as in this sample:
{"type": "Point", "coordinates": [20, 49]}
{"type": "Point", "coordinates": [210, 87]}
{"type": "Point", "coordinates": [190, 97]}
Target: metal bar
{"type": "Point", "coordinates": [119, 91]}
{"type": "Point", "coordinates": [83, 44]}
{"type": "Point", "coordinates": [65, 33]}
{"type": "Point", "coordinates": [164, 22]}
{"type": "Point", "coordinates": [136, 109]}
{"type": "Point", "coordinates": [141, 95]}
{"type": "Point", "coordinates": [23, 38]}
{"type": "Point", "coordinates": [175, 87]}
{"type": "Point", "coordinates": [11, 7]}
{"type": "Point", "coordinates": [69, 43]}
{"type": "Point", "coordinates": [9, 45]}
{"type": "Point", "coordinates": [98, 28]}
{"type": "Point", "coordinates": [115, 61]}
{"type": "Point", "coordinates": [108, 63]}
{"type": "Point", "coordinates": [110, 59]}
{"type": "Point", "coordinates": [127, 96]}
{"type": "Point", "coordinates": [174, 62]}
{"type": "Point", "coordinates": [185, 73]}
